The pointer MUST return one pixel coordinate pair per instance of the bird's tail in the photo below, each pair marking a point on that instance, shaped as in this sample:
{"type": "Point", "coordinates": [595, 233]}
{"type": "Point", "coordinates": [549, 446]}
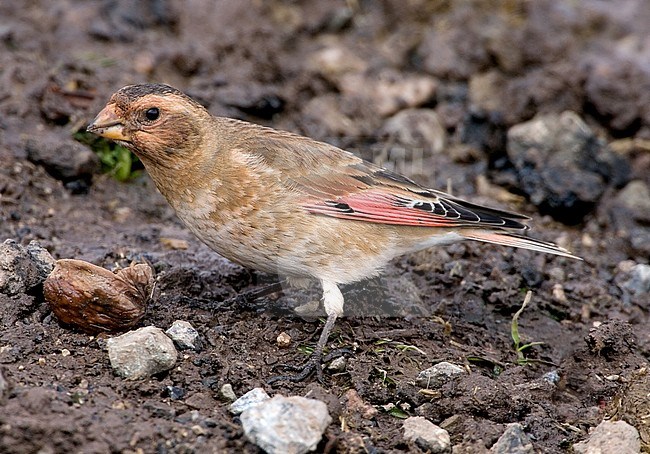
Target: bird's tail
{"type": "Point", "coordinates": [514, 240]}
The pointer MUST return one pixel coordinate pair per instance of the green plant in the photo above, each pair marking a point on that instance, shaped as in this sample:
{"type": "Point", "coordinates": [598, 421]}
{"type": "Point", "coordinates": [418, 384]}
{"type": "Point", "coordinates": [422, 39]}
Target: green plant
{"type": "Point", "coordinates": [514, 333]}
{"type": "Point", "coordinates": [116, 160]}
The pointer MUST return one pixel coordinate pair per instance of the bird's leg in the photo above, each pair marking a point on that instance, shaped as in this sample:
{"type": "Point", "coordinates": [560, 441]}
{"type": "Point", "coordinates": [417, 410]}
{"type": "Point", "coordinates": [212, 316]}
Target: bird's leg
{"type": "Point", "coordinates": [333, 302]}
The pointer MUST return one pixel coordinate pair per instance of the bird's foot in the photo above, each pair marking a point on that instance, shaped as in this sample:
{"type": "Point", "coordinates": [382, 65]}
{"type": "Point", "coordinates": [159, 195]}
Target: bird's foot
{"type": "Point", "coordinates": [313, 364]}
{"type": "Point", "coordinates": [248, 300]}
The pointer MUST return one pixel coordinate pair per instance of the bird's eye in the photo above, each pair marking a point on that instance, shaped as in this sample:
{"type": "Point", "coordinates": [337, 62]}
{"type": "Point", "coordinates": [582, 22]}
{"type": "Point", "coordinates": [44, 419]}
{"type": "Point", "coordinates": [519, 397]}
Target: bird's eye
{"type": "Point", "coordinates": [152, 113]}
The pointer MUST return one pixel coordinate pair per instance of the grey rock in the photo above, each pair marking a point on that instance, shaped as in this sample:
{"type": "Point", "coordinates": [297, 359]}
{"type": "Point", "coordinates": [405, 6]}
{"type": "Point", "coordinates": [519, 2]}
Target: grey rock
{"type": "Point", "coordinates": [388, 91]}
{"type": "Point", "coordinates": [552, 377]}
{"type": "Point", "coordinates": [417, 128]}
{"type": "Point", "coordinates": [635, 198]}
{"type": "Point", "coordinates": [338, 364]}
{"type": "Point", "coordinates": [426, 435]}
{"type": "Point", "coordinates": [640, 241]}
{"type": "Point", "coordinates": [452, 52]}
{"type": "Point", "coordinates": [286, 425]}
{"type": "Point", "coordinates": [437, 375]}
{"type": "Point", "coordinates": [184, 335]}
{"type": "Point", "coordinates": [617, 86]}
{"type": "Point", "coordinates": [22, 268]}
{"type": "Point", "coordinates": [141, 353]}
{"type": "Point", "coordinates": [608, 436]}
{"type": "Point", "coordinates": [251, 399]}
{"type": "Point", "coordinates": [63, 158]}
{"type": "Point", "coordinates": [513, 441]}
{"type": "Point", "coordinates": [4, 387]}
{"type": "Point", "coordinates": [227, 393]}
{"type": "Point", "coordinates": [258, 100]}
{"type": "Point", "coordinates": [639, 281]}
{"type": "Point", "coordinates": [325, 112]}
{"type": "Point", "coordinates": [562, 166]}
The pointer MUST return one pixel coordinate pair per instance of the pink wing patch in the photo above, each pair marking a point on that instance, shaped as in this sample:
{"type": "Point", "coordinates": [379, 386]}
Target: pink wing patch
{"type": "Point", "coordinates": [383, 208]}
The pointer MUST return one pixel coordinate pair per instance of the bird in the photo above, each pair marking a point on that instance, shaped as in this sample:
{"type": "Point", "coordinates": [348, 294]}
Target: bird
{"type": "Point", "coordinates": [289, 205]}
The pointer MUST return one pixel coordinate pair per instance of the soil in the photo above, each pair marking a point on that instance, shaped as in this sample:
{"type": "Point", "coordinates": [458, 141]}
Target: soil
{"type": "Point", "coordinates": [264, 62]}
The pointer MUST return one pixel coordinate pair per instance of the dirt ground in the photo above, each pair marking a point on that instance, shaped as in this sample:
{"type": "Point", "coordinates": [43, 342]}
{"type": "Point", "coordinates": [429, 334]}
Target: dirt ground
{"type": "Point", "coordinates": [326, 69]}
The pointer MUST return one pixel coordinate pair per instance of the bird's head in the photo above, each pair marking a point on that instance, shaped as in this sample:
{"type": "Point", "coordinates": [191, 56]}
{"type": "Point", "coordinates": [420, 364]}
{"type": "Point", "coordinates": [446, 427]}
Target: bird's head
{"type": "Point", "coordinates": [157, 122]}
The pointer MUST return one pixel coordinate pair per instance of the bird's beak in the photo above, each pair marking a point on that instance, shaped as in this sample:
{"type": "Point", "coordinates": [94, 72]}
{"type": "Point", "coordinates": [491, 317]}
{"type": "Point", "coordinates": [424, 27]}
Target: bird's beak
{"type": "Point", "coordinates": [108, 124]}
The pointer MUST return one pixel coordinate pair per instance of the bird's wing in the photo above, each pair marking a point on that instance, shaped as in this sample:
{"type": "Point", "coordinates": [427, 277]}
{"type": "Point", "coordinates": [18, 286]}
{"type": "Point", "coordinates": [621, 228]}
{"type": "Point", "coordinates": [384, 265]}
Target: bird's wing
{"type": "Point", "coordinates": [334, 182]}
{"type": "Point", "coordinates": [383, 197]}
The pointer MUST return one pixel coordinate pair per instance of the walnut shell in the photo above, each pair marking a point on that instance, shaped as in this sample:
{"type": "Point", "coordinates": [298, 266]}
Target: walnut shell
{"type": "Point", "coordinates": [94, 299]}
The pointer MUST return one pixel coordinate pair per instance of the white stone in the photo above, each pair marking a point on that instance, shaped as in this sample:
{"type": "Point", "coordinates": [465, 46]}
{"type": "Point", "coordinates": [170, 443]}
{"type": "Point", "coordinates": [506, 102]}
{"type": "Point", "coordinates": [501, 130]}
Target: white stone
{"type": "Point", "coordinates": [141, 353]}
{"type": "Point", "coordinates": [616, 437]}
{"type": "Point", "coordinates": [252, 398]}
{"type": "Point", "coordinates": [427, 435]}
{"type": "Point", "coordinates": [438, 375]}
{"type": "Point", "coordinates": [227, 393]}
{"type": "Point", "coordinates": [286, 425]}
{"type": "Point", "coordinates": [184, 335]}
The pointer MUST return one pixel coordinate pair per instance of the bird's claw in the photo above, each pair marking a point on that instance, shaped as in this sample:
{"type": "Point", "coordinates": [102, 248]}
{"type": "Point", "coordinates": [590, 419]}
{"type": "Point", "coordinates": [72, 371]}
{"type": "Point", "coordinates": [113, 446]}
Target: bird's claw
{"type": "Point", "coordinates": [313, 364]}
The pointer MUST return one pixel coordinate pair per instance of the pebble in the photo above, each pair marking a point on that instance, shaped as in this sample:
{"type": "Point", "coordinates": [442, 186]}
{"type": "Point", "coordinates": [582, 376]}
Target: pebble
{"type": "Point", "coordinates": [438, 375]}
{"type": "Point", "coordinates": [417, 128]}
{"type": "Point", "coordinates": [552, 377]}
{"type": "Point", "coordinates": [283, 340]}
{"type": "Point", "coordinates": [227, 393]}
{"type": "Point", "coordinates": [184, 335]}
{"type": "Point", "coordinates": [608, 436]}
{"type": "Point", "coordinates": [558, 293]}
{"type": "Point", "coordinates": [389, 91]}
{"type": "Point", "coordinates": [513, 441]}
{"type": "Point", "coordinates": [175, 392]}
{"type": "Point", "coordinates": [335, 60]}
{"type": "Point", "coordinates": [325, 112]}
{"type": "Point", "coordinates": [22, 268]}
{"type": "Point", "coordinates": [427, 435]}
{"type": "Point", "coordinates": [286, 425]}
{"type": "Point", "coordinates": [251, 399]}
{"type": "Point", "coordinates": [141, 353]}
{"type": "Point", "coordinates": [639, 281]}
{"type": "Point", "coordinates": [338, 364]}
{"type": "Point", "coordinates": [354, 404]}
{"type": "Point", "coordinates": [4, 387]}
{"type": "Point", "coordinates": [635, 197]}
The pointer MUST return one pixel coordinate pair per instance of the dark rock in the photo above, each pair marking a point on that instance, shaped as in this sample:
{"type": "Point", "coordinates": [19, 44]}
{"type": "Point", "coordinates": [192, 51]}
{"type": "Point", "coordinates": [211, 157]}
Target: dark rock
{"type": "Point", "coordinates": [22, 268]}
{"type": "Point", "coordinates": [513, 441]}
{"type": "Point", "coordinates": [618, 90]}
{"type": "Point", "coordinates": [60, 104]}
{"type": "Point", "coordinates": [124, 20]}
{"type": "Point", "coordinates": [553, 88]}
{"type": "Point", "coordinates": [448, 51]}
{"type": "Point", "coordinates": [175, 392]}
{"type": "Point", "coordinates": [611, 339]}
{"type": "Point", "coordinates": [562, 166]}
{"type": "Point", "coordinates": [485, 131]}
{"type": "Point", "coordinates": [64, 159]}
{"type": "Point", "coordinates": [256, 100]}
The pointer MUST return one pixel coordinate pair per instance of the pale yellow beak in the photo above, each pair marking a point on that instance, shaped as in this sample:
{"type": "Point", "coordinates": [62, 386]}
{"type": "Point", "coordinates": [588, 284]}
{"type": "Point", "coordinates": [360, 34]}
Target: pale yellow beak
{"type": "Point", "coordinates": [107, 124]}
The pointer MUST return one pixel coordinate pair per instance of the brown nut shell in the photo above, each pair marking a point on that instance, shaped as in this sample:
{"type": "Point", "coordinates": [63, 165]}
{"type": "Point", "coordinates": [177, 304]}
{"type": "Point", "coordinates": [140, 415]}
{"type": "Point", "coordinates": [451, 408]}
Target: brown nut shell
{"type": "Point", "coordinates": [93, 299]}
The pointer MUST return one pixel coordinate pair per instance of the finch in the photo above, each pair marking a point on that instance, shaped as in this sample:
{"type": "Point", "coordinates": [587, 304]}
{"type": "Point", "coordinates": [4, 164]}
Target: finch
{"type": "Point", "coordinates": [289, 205]}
